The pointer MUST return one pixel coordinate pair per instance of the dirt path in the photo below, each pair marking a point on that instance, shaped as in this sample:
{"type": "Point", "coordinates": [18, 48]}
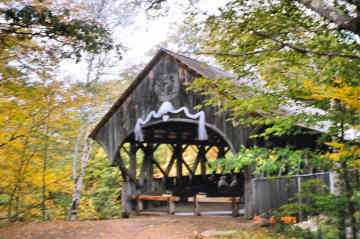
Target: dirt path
{"type": "Point", "coordinates": [144, 227]}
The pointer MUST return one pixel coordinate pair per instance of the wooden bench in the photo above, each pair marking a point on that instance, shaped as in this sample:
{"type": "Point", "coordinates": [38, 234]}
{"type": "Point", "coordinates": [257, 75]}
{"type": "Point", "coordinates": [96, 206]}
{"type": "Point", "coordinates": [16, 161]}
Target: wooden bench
{"type": "Point", "coordinates": [199, 198]}
{"type": "Point", "coordinates": [164, 198]}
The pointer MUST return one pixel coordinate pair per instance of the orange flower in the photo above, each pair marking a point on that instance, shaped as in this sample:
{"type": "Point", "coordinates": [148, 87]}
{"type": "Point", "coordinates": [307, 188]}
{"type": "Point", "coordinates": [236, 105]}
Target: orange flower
{"type": "Point", "coordinates": [257, 219]}
{"type": "Point", "coordinates": [288, 220]}
{"type": "Point", "coordinates": [272, 220]}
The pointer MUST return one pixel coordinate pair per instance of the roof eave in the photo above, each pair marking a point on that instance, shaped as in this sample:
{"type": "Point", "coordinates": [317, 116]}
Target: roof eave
{"type": "Point", "coordinates": [126, 93]}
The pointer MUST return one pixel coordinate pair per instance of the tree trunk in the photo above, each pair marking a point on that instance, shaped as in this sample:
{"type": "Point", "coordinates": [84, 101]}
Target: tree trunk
{"type": "Point", "coordinates": [350, 204]}
{"type": "Point", "coordinates": [72, 214]}
{"type": "Point", "coordinates": [45, 157]}
{"type": "Point", "coordinates": [76, 152]}
{"type": "Point", "coordinates": [333, 14]}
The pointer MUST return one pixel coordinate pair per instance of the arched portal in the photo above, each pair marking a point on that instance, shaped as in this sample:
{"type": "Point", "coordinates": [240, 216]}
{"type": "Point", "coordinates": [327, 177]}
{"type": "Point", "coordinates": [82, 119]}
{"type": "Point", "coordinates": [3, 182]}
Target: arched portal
{"type": "Point", "coordinates": [141, 108]}
{"type": "Point", "coordinates": [179, 176]}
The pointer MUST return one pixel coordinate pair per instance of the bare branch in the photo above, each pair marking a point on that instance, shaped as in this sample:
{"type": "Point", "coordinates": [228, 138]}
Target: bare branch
{"type": "Point", "coordinates": [239, 55]}
{"type": "Point", "coordinates": [12, 138]}
{"type": "Point", "coordinates": [155, 4]}
{"type": "Point", "coordinates": [306, 51]}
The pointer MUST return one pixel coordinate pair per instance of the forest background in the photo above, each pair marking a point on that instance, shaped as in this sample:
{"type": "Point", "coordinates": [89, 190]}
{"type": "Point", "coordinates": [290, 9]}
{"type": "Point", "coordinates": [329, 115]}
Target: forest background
{"type": "Point", "coordinates": [62, 65]}
{"type": "Point", "coordinates": [47, 113]}
{"type": "Point", "coordinates": [288, 54]}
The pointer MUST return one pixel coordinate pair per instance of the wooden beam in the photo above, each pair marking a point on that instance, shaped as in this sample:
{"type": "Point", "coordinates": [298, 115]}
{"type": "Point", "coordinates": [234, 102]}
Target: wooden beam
{"type": "Point", "coordinates": [201, 153]}
{"type": "Point", "coordinates": [185, 147]}
{"type": "Point", "coordinates": [168, 168]}
{"type": "Point", "coordinates": [156, 198]}
{"type": "Point", "coordinates": [118, 161]}
{"type": "Point", "coordinates": [148, 147]}
{"type": "Point", "coordinates": [141, 146]}
{"type": "Point", "coordinates": [201, 198]}
{"type": "Point", "coordinates": [156, 147]}
{"type": "Point", "coordinates": [171, 163]}
{"type": "Point", "coordinates": [196, 163]}
{"type": "Point", "coordinates": [124, 171]}
{"type": "Point", "coordinates": [180, 141]}
{"type": "Point", "coordinates": [159, 167]}
{"type": "Point", "coordinates": [187, 167]}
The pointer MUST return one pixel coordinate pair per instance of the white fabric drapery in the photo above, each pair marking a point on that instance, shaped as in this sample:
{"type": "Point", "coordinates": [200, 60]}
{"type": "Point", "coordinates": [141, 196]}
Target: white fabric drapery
{"type": "Point", "coordinates": [163, 112]}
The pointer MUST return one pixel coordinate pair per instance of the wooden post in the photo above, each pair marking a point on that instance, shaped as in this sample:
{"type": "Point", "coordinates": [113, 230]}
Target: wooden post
{"type": "Point", "coordinates": [179, 167]}
{"type": "Point", "coordinates": [196, 206]}
{"type": "Point", "coordinates": [250, 194]}
{"type": "Point", "coordinates": [235, 207]}
{"type": "Point", "coordinates": [178, 155]}
{"type": "Point", "coordinates": [124, 172]}
{"type": "Point", "coordinates": [139, 206]}
{"type": "Point", "coordinates": [132, 156]}
{"type": "Point", "coordinates": [142, 176]}
{"type": "Point", "coordinates": [221, 154]}
{"type": "Point", "coordinates": [299, 200]}
{"type": "Point", "coordinates": [202, 155]}
{"type": "Point", "coordinates": [168, 168]}
{"type": "Point", "coordinates": [150, 169]}
{"type": "Point", "coordinates": [171, 205]}
{"type": "Point", "coordinates": [125, 200]}
{"type": "Point", "coordinates": [132, 170]}
{"type": "Point", "coordinates": [147, 168]}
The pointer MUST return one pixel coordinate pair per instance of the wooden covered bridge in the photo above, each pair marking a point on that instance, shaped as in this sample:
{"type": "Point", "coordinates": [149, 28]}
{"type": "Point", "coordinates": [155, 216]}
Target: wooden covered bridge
{"type": "Point", "coordinates": [157, 109]}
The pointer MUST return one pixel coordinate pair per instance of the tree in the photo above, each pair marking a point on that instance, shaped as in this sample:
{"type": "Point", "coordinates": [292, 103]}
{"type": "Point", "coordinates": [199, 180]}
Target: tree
{"type": "Point", "coordinates": [39, 115]}
{"type": "Point", "coordinates": [297, 63]}
{"type": "Point", "coordinates": [35, 122]}
{"type": "Point", "coordinates": [98, 67]}
{"type": "Point", "coordinates": [35, 22]}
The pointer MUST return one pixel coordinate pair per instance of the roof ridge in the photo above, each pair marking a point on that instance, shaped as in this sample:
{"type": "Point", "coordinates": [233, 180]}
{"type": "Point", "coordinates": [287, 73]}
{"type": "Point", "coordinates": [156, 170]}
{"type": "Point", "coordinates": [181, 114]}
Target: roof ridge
{"type": "Point", "coordinates": [200, 68]}
{"type": "Point", "coordinates": [206, 69]}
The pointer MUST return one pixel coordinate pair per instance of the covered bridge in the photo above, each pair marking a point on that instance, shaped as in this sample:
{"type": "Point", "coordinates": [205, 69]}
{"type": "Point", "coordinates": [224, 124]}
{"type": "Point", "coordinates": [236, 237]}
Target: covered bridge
{"type": "Point", "coordinates": [157, 109]}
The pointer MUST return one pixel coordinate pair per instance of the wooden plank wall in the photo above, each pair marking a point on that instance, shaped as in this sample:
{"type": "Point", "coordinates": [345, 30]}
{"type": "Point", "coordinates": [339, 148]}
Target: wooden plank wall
{"type": "Point", "coordinates": [144, 99]}
{"type": "Point", "coordinates": [271, 194]}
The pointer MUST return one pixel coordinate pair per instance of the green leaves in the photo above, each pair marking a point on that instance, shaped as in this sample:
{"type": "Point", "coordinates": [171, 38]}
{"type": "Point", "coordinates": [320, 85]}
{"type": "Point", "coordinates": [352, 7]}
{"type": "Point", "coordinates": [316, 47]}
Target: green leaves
{"type": "Point", "coordinates": [34, 22]}
{"type": "Point", "coordinates": [269, 161]}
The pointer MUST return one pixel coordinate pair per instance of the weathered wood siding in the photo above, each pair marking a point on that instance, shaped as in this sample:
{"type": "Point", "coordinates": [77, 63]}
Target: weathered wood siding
{"type": "Point", "coordinates": [273, 193]}
{"type": "Point", "coordinates": [145, 99]}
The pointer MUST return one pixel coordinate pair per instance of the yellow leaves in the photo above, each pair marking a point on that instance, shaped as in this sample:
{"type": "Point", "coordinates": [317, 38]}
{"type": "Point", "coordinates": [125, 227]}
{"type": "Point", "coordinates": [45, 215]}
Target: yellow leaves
{"type": "Point", "coordinates": [272, 157]}
{"type": "Point", "coordinates": [333, 156]}
{"type": "Point", "coordinates": [260, 160]}
{"type": "Point", "coordinates": [343, 151]}
{"type": "Point", "coordinates": [39, 117]}
{"type": "Point", "coordinates": [346, 94]}
{"type": "Point", "coordinates": [335, 145]}
{"type": "Point", "coordinates": [87, 209]}
{"type": "Point", "coordinates": [338, 80]}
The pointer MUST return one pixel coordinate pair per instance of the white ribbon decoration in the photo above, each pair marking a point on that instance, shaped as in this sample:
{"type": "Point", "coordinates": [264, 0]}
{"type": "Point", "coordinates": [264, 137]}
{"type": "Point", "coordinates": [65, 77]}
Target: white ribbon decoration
{"type": "Point", "coordinates": [166, 108]}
